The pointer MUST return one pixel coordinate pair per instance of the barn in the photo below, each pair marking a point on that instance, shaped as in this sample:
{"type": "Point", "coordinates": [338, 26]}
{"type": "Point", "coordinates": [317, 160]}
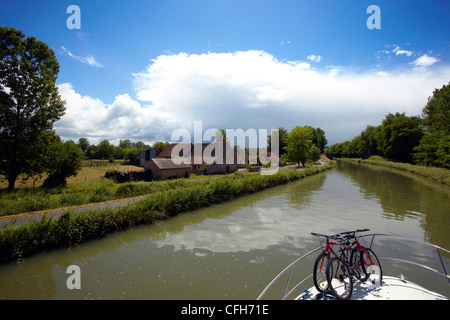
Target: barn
{"type": "Point", "coordinates": [163, 168]}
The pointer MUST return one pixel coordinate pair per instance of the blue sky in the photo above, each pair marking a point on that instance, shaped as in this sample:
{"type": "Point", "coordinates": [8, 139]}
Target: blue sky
{"type": "Point", "coordinates": [141, 69]}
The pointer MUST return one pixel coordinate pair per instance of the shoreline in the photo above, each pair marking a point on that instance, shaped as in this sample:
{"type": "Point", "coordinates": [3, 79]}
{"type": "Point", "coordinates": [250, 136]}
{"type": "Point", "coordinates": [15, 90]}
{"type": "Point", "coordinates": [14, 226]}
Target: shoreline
{"type": "Point", "coordinates": [440, 175]}
{"type": "Point", "coordinates": [18, 242]}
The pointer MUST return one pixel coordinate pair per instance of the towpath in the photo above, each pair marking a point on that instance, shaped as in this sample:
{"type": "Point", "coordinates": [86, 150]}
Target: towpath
{"type": "Point", "coordinates": [21, 218]}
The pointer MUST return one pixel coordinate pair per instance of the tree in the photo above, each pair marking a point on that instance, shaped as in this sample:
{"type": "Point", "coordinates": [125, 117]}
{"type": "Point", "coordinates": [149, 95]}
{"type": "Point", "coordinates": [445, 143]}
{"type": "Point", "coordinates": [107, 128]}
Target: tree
{"type": "Point", "coordinates": [62, 161]}
{"type": "Point", "coordinates": [160, 144]}
{"type": "Point", "coordinates": [298, 145]}
{"type": "Point", "coordinates": [282, 135]}
{"type": "Point", "coordinates": [104, 150]}
{"type": "Point", "coordinates": [319, 139]}
{"type": "Point", "coordinates": [314, 153]}
{"type": "Point", "coordinates": [132, 155]}
{"type": "Point", "coordinates": [398, 136]}
{"type": "Point", "coordinates": [433, 150]}
{"type": "Point", "coordinates": [434, 147]}
{"type": "Point", "coordinates": [368, 143]}
{"type": "Point", "coordinates": [221, 136]}
{"type": "Point", "coordinates": [436, 112]}
{"type": "Point", "coordinates": [126, 144]}
{"type": "Point", "coordinates": [29, 103]}
{"type": "Point", "coordinates": [83, 143]}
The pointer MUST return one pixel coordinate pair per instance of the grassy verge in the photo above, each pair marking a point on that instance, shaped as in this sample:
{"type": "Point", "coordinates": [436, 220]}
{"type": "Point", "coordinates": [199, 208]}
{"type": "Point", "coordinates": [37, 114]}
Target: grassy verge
{"type": "Point", "coordinates": [437, 174]}
{"type": "Point", "coordinates": [86, 187]}
{"type": "Point", "coordinates": [30, 200]}
{"type": "Point", "coordinates": [19, 242]}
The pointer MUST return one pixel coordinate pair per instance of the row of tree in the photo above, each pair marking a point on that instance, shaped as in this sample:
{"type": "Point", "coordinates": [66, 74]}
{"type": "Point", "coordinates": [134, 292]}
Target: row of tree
{"type": "Point", "coordinates": [127, 150]}
{"type": "Point", "coordinates": [423, 140]}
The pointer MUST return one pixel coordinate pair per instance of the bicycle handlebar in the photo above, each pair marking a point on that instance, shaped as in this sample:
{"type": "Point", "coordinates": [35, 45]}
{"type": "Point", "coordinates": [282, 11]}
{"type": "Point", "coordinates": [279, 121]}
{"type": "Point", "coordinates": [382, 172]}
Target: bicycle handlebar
{"type": "Point", "coordinates": [354, 231]}
{"type": "Point", "coordinates": [325, 235]}
{"type": "Point", "coordinates": [338, 235]}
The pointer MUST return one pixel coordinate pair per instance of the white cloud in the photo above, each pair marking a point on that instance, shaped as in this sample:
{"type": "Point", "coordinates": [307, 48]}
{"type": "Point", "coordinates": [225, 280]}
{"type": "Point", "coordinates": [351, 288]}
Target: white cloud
{"type": "Point", "coordinates": [90, 60]}
{"type": "Point", "coordinates": [424, 61]}
{"type": "Point", "coordinates": [314, 58]}
{"type": "Point", "coordinates": [124, 119]}
{"type": "Point", "coordinates": [248, 89]}
{"type": "Point", "coordinates": [399, 51]}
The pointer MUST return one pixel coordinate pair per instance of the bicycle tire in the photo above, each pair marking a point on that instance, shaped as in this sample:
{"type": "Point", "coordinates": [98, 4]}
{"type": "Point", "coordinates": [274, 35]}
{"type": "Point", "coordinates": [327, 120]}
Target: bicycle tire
{"type": "Point", "coordinates": [355, 264]}
{"type": "Point", "coordinates": [370, 259]}
{"type": "Point", "coordinates": [339, 279]}
{"type": "Point", "coordinates": [319, 272]}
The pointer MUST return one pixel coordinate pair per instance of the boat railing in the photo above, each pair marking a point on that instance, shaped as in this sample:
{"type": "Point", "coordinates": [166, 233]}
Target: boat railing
{"type": "Point", "coordinates": [437, 248]}
{"type": "Point", "coordinates": [288, 269]}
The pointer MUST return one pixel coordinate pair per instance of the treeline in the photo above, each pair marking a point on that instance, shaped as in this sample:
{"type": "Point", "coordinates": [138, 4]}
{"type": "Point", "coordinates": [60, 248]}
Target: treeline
{"type": "Point", "coordinates": [423, 140]}
{"type": "Point", "coordinates": [127, 150]}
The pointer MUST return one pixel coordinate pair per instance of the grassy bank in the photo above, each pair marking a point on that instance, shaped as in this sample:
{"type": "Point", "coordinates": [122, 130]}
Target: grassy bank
{"type": "Point", "coordinates": [437, 174]}
{"type": "Point", "coordinates": [19, 242]}
{"type": "Point", "coordinates": [30, 200]}
{"type": "Point", "coordinates": [87, 187]}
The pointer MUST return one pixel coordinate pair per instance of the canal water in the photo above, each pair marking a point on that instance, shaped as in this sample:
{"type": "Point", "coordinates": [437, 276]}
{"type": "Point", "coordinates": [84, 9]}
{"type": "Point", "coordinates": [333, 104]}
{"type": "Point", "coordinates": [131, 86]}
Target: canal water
{"type": "Point", "coordinates": [233, 250]}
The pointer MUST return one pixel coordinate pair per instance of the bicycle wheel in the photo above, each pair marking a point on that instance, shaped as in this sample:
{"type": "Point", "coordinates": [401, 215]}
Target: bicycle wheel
{"type": "Point", "coordinates": [371, 266]}
{"type": "Point", "coordinates": [319, 275]}
{"type": "Point", "coordinates": [355, 264]}
{"type": "Point", "coordinates": [339, 279]}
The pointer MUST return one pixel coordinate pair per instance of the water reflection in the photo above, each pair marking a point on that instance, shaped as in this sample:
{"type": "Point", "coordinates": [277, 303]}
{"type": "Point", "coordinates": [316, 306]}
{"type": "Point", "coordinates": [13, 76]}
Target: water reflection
{"type": "Point", "coordinates": [404, 196]}
{"type": "Point", "coordinates": [232, 250]}
{"type": "Point", "coordinates": [254, 222]}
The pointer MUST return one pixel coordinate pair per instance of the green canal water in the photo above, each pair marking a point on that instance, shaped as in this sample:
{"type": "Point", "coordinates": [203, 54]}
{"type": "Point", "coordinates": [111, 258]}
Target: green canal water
{"type": "Point", "coordinates": [233, 250]}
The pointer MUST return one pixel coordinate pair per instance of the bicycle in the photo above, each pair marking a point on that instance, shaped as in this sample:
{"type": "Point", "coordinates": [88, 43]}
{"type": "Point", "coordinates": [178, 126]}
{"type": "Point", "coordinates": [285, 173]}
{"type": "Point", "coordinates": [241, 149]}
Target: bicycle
{"type": "Point", "coordinates": [363, 261]}
{"type": "Point", "coordinates": [338, 273]}
{"type": "Point", "coordinates": [355, 261]}
{"type": "Point", "coordinates": [319, 270]}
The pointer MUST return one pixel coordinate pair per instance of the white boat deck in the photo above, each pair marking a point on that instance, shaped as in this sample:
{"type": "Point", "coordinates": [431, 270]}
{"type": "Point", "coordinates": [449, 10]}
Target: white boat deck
{"type": "Point", "coordinates": [391, 288]}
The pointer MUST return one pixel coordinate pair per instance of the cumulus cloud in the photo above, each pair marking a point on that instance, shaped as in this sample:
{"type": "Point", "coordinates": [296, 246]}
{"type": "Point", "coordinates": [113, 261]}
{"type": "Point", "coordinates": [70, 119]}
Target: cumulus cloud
{"type": "Point", "coordinates": [424, 61]}
{"type": "Point", "coordinates": [247, 89]}
{"type": "Point", "coordinates": [124, 119]}
{"type": "Point", "coordinates": [253, 89]}
{"type": "Point", "coordinates": [89, 59]}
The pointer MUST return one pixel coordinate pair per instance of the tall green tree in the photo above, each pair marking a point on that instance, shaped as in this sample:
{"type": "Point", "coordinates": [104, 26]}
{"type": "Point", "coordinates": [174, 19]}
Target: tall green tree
{"type": "Point", "coordinates": [29, 103]}
{"type": "Point", "coordinates": [319, 139]}
{"type": "Point", "coordinates": [398, 136]}
{"type": "Point", "coordinates": [434, 147]}
{"type": "Point", "coordinates": [368, 143]}
{"type": "Point", "coordinates": [298, 145]}
{"type": "Point", "coordinates": [436, 112]}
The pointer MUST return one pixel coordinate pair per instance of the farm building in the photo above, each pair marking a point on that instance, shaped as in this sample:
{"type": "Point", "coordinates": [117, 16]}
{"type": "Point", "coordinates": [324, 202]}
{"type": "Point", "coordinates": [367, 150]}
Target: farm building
{"type": "Point", "coordinates": [211, 163]}
{"type": "Point", "coordinates": [146, 155]}
{"type": "Point", "coordinates": [163, 169]}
